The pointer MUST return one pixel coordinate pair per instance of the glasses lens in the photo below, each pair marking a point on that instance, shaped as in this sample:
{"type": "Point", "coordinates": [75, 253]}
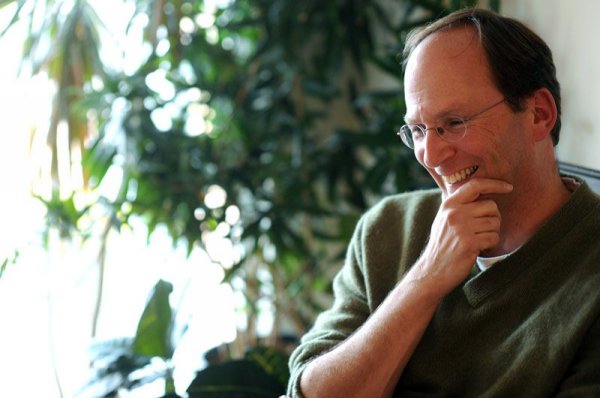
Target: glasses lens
{"type": "Point", "coordinates": [453, 130]}
{"type": "Point", "coordinates": [407, 136]}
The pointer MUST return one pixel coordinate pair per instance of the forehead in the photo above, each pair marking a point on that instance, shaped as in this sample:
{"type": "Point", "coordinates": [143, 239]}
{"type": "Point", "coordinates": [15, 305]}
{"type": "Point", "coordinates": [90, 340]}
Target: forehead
{"type": "Point", "coordinates": [447, 71]}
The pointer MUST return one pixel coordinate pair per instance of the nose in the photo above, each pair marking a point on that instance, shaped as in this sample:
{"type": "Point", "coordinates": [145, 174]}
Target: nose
{"type": "Point", "coordinates": [434, 151]}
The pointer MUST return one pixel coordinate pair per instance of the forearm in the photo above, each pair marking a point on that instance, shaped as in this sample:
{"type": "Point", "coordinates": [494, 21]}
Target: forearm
{"type": "Point", "coordinates": [370, 362]}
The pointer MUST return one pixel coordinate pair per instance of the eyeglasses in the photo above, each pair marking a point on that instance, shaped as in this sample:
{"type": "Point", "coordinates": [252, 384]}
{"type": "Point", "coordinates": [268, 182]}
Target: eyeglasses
{"type": "Point", "coordinates": [453, 129]}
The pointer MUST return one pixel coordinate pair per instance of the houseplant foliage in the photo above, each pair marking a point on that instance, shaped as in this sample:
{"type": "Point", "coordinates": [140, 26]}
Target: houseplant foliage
{"type": "Point", "coordinates": [285, 109]}
{"type": "Point", "coordinates": [262, 373]}
{"type": "Point", "coordinates": [127, 363]}
{"type": "Point", "coordinates": [269, 102]}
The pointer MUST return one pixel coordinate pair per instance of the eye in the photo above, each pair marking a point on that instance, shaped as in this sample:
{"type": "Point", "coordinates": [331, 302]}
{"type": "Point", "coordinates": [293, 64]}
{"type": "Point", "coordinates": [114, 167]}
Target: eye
{"type": "Point", "coordinates": [417, 131]}
{"type": "Point", "coordinates": [454, 125]}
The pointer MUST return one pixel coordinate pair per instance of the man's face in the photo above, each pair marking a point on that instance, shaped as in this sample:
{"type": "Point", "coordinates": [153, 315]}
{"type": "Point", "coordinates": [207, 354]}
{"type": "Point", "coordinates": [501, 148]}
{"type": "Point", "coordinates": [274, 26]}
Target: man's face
{"type": "Point", "coordinates": [448, 75]}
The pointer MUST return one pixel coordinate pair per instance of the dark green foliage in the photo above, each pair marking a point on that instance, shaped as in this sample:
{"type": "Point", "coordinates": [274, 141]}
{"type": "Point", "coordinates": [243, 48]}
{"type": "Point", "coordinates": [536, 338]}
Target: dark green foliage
{"type": "Point", "coordinates": [296, 104]}
{"type": "Point", "coordinates": [261, 374]}
{"type": "Point", "coordinates": [62, 215]}
{"type": "Point", "coordinates": [299, 141]}
{"type": "Point", "coordinates": [293, 130]}
{"type": "Point", "coordinates": [235, 379]}
{"type": "Point", "coordinates": [113, 364]}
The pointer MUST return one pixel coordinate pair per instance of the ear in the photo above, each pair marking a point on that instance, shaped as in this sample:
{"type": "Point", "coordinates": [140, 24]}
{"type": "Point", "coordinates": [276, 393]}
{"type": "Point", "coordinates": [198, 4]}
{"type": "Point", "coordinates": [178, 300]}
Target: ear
{"type": "Point", "coordinates": [544, 113]}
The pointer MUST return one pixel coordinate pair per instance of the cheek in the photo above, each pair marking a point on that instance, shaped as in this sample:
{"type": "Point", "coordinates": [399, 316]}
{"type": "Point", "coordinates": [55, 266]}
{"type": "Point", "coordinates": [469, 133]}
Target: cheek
{"type": "Point", "coordinates": [502, 148]}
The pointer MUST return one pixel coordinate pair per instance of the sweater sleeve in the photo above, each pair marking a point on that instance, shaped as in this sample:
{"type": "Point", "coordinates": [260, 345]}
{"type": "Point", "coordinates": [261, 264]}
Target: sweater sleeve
{"type": "Point", "coordinates": [387, 239]}
{"type": "Point", "coordinates": [349, 310]}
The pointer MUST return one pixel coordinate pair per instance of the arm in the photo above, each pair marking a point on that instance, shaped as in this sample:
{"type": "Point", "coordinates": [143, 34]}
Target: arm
{"type": "Point", "coordinates": [370, 362]}
{"type": "Point", "coordinates": [373, 358]}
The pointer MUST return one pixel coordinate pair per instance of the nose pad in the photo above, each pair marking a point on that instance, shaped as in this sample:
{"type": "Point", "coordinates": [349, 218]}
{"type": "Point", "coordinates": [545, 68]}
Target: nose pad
{"type": "Point", "coordinates": [435, 150]}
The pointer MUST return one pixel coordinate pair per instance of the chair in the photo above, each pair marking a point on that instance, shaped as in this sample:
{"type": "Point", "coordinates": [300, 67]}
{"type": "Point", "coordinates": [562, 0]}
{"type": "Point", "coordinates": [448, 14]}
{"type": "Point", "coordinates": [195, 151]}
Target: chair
{"type": "Point", "coordinates": [591, 176]}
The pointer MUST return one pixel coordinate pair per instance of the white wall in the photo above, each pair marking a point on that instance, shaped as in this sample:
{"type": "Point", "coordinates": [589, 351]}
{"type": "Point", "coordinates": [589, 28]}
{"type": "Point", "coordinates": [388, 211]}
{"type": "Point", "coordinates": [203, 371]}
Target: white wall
{"type": "Point", "coordinates": [572, 30]}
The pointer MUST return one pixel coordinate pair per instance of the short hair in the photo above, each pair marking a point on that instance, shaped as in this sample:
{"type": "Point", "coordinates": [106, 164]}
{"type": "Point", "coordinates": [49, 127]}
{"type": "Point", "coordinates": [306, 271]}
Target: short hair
{"type": "Point", "coordinates": [520, 61]}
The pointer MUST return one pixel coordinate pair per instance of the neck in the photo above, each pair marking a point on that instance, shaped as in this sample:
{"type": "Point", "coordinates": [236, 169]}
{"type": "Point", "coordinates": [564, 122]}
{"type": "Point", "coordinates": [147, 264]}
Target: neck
{"type": "Point", "coordinates": [530, 205]}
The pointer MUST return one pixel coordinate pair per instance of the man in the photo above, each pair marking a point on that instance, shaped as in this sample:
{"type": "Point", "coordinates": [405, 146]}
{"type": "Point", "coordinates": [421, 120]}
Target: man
{"type": "Point", "coordinates": [489, 285]}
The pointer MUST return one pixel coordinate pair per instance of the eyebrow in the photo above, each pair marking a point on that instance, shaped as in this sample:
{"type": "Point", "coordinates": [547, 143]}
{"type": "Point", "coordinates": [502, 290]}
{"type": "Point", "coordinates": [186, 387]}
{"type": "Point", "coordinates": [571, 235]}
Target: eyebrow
{"type": "Point", "coordinates": [450, 110]}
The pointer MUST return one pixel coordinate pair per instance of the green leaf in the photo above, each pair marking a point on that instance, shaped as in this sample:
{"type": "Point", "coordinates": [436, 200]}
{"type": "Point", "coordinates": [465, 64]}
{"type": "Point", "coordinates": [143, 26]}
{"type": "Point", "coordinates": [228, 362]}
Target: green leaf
{"type": "Point", "coordinates": [273, 362]}
{"type": "Point", "coordinates": [153, 336]}
{"type": "Point", "coordinates": [97, 160]}
{"type": "Point", "coordinates": [15, 16]}
{"type": "Point", "coordinates": [8, 261]}
{"type": "Point", "coordinates": [3, 266]}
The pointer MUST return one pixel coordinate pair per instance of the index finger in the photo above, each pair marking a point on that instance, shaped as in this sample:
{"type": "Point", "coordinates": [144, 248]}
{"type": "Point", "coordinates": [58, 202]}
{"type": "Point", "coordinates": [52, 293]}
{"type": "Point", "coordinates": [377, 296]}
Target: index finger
{"type": "Point", "coordinates": [476, 187]}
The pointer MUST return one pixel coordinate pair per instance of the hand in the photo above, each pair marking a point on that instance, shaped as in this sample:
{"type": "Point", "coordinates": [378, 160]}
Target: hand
{"type": "Point", "coordinates": [466, 224]}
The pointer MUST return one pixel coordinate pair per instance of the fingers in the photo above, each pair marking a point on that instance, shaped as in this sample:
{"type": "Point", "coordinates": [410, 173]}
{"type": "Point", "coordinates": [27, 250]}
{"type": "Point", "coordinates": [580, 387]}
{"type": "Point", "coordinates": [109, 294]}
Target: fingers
{"type": "Point", "coordinates": [485, 224]}
{"type": "Point", "coordinates": [475, 228]}
{"type": "Point", "coordinates": [487, 240]}
{"type": "Point", "coordinates": [477, 187]}
{"type": "Point", "coordinates": [469, 219]}
{"type": "Point", "coordinates": [482, 216]}
{"type": "Point", "coordinates": [482, 208]}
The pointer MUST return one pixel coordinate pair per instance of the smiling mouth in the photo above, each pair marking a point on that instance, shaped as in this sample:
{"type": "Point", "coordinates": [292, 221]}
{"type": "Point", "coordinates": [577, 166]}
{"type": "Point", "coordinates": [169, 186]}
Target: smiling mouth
{"type": "Point", "coordinates": [460, 175]}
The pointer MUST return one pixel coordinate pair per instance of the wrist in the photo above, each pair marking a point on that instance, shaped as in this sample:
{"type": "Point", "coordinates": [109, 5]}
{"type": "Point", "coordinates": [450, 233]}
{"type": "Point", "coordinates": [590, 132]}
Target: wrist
{"type": "Point", "coordinates": [427, 281]}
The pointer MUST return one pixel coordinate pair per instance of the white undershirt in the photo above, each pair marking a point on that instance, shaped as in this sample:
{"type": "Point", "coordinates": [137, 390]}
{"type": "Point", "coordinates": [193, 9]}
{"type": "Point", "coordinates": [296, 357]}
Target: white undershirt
{"type": "Point", "coordinates": [486, 262]}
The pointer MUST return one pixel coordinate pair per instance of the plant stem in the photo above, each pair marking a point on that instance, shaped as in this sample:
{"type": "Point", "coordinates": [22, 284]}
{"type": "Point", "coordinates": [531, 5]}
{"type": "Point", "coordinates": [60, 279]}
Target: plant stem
{"type": "Point", "coordinates": [51, 347]}
{"type": "Point", "coordinates": [101, 270]}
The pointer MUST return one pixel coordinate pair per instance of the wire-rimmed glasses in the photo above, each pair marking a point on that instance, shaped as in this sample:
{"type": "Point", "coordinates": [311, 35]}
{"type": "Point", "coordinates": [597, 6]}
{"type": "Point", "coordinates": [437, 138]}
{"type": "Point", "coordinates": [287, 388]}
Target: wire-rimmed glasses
{"type": "Point", "coordinates": [453, 128]}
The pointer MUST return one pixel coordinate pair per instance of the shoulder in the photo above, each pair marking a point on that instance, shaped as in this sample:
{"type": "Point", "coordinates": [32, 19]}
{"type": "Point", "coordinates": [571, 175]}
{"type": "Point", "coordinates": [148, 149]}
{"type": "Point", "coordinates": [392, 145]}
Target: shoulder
{"type": "Point", "coordinates": [404, 208]}
{"type": "Point", "coordinates": [397, 225]}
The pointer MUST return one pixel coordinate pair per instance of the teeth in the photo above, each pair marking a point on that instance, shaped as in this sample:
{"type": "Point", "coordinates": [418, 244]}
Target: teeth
{"type": "Point", "coordinates": [459, 175]}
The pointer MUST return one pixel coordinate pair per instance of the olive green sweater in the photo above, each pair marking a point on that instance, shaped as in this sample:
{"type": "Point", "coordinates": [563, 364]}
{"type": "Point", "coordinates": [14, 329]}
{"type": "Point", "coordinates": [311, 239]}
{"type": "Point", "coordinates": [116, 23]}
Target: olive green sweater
{"type": "Point", "coordinates": [527, 327]}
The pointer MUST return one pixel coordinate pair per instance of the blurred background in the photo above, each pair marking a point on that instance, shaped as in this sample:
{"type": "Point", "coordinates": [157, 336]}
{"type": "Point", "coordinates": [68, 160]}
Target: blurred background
{"type": "Point", "coordinates": [180, 178]}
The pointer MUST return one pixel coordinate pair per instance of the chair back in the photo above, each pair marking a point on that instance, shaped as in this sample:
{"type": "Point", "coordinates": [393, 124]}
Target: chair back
{"type": "Point", "coordinates": [591, 176]}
